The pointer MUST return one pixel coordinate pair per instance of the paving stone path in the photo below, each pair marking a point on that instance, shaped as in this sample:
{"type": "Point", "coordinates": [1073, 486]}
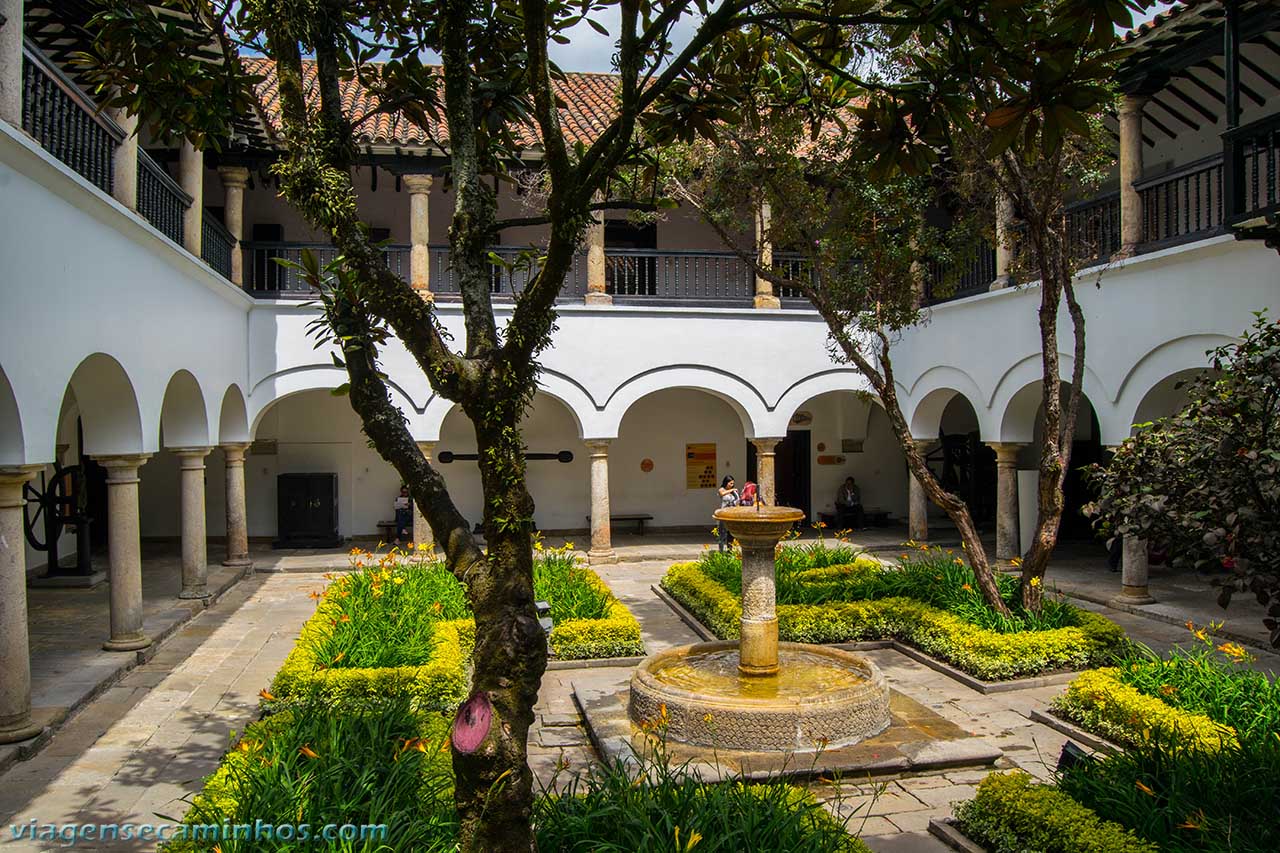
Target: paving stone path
{"type": "Point", "coordinates": [145, 744]}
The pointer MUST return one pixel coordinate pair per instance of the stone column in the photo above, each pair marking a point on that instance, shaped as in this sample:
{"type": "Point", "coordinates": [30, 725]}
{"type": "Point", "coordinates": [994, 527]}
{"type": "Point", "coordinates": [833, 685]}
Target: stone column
{"type": "Point", "coordinates": [124, 187]}
{"type": "Point", "coordinates": [11, 62]}
{"type": "Point", "coordinates": [918, 502]}
{"type": "Point", "coordinates": [1130, 171]}
{"type": "Point", "coordinates": [15, 650]}
{"type": "Point", "coordinates": [125, 551]}
{"type": "Point", "coordinates": [419, 187]}
{"type": "Point", "coordinates": [758, 532]}
{"type": "Point", "coordinates": [234, 181]}
{"type": "Point", "coordinates": [195, 553]}
{"type": "Point", "coordinates": [237, 515]}
{"type": "Point", "coordinates": [1004, 250]}
{"type": "Point", "coordinates": [1007, 535]}
{"type": "Point", "coordinates": [422, 530]}
{"type": "Point", "coordinates": [1133, 573]}
{"type": "Point", "coordinates": [765, 467]}
{"type": "Point", "coordinates": [601, 534]}
{"type": "Point", "coordinates": [595, 262]}
{"type": "Point", "coordinates": [764, 251]}
{"type": "Point", "coordinates": [191, 179]}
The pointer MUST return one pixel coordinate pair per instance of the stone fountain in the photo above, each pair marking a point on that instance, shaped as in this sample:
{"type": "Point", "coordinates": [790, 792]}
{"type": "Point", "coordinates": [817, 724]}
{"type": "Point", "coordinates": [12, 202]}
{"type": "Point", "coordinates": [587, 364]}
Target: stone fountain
{"type": "Point", "coordinates": [758, 694]}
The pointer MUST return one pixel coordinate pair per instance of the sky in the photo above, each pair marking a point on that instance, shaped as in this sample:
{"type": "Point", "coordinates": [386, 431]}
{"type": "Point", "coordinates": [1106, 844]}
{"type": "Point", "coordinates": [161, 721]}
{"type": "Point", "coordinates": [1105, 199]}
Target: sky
{"type": "Point", "coordinates": [588, 50]}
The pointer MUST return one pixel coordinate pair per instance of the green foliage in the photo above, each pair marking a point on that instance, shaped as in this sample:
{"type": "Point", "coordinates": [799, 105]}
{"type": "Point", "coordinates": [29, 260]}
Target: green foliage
{"type": "Point", "coordinates": [1206, 481]}
{"type": "Point", "coordinates": [573, 590]}
{"type": "Point", "coordinates": [1011, 814]}
{"type": "Point", "coordinates": [982, 652]}
{"type": "Point", "coordinates": [320, 763]}
{"type": "Point", "coordinates": [1188, 799]}
{"type": "Point", "coordinates": [647, 804]}
{"type": "Point", "coordinates": [811, 575]}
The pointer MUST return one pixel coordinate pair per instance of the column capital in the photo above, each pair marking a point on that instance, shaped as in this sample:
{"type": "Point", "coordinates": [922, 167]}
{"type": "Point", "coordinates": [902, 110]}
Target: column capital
{"type": "Point", "coordinates": [12, 479]}
{"type": "Point", "coordinates": [418, 183]}
{"type": "Point", "coordinates": [234, 176]}
{"type": "Point", "coordinates": [924, 445]}
{"type": "Point", "coordinates": [1006, 451]}
{"type": "Point", "coordinates": [765, 445]}
{"type": "Point", "coordinates": [1130, 104]}
{"type": "Point", "coordinates": [598, 445]}
{"type": "Point", "coordinates": [234, 451]}
{"type": "Point", "coordinates": [122, 467]}
{"type": "Point", "coordinates": [194, 451]}
{"type": "Point", "coordinates": [426, 446]}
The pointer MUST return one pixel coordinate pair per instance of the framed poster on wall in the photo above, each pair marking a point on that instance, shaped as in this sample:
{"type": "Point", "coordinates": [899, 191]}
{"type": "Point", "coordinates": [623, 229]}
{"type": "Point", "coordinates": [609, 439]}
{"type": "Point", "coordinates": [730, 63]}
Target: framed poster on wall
{"type": "Point", "coordinates": [700, 466]}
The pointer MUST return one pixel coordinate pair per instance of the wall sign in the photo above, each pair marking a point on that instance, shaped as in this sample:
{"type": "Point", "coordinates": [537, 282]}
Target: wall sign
{"type": "Point", "coordinates": [801, 418]}
{"type": "Point", "coordinates": [830, 460]}
{"type": "Point", "coordinates": [646, 465]}
{"type": "Point", "coordinates": [700, 466]}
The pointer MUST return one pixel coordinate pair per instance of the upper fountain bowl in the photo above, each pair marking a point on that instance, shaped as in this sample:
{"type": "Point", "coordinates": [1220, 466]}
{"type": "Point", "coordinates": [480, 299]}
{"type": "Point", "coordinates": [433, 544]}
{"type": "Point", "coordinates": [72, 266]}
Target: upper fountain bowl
{"type": "Point", "coordinates": [759, 522]}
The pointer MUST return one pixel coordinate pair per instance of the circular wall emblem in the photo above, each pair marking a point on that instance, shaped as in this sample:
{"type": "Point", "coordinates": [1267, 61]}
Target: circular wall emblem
{"type": "Point", "coordinates": [646, 465]}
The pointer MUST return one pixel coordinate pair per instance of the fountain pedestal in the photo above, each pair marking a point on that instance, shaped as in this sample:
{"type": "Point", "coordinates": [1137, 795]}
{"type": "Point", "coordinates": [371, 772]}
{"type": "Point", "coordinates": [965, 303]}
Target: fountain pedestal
{"type": "Point", "coordinates": [758, 530]}
{"type": "Point", "coordinates": [739, 695]}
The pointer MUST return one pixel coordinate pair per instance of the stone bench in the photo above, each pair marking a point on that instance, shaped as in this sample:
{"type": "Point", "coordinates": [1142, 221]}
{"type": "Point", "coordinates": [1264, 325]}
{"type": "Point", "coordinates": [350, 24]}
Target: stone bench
{"type": "Point", "coordinates": [638, 517]}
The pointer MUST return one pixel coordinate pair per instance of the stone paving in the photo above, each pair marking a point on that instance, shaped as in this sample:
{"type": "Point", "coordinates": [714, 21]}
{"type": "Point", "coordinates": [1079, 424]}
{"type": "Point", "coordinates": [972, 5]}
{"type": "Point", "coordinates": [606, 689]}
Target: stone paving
{"type": "Point", "coordinates": [146, 742]}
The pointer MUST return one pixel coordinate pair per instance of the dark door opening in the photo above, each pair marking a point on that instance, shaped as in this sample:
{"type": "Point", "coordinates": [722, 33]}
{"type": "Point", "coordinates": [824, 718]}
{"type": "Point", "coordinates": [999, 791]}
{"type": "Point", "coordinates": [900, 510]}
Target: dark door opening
{"type": "Point", "coordinates": [630, 268]}
{"type": "Point", "coordinates": [793, 478]}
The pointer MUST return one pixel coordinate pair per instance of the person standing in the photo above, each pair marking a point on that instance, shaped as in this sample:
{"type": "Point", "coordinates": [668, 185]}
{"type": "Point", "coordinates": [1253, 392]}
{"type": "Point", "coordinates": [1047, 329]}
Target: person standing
{"type": "Point", "coordinates": [728, 498]}
{"type": "Point", "coordinates": [404, 516]}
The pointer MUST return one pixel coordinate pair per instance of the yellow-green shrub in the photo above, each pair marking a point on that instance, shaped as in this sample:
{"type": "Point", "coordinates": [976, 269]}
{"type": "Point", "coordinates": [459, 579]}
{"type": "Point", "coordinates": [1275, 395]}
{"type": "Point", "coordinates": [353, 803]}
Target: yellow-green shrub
{"type": "Point", "coordinates": [615, 636]}
{"type": "Point", "coordinates": [1011, 814]}
{"type": "Point", "coordinates": [1103, 704]}
{"type": "Point", "coordinates": [441, 683]}
{"type": "Point", "coordinates": [981, 652]}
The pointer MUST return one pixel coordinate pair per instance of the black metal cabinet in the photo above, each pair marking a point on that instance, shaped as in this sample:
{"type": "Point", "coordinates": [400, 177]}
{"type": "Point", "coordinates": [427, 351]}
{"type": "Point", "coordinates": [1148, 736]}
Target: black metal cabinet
{"type": "Point", "coordinates": [307, 511]}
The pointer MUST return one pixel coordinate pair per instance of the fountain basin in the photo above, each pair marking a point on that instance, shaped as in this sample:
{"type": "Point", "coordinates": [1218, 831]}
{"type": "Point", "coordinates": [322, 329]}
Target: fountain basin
{"type": "Point", "coordinates": [820, 697]}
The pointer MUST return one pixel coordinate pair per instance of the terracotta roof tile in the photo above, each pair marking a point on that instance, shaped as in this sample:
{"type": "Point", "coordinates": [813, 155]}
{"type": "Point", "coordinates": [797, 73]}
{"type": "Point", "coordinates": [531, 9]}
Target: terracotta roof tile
{"type": "Point", "coordinates": [588, 108]}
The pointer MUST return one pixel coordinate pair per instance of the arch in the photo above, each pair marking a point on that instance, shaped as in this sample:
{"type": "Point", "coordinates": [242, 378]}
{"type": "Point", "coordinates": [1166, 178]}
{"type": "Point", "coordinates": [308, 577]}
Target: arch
{"type": "Point", "coordinates": [12, 443]}
{"type": "Point", "coordinates": [930, 394]}
{"type": "Point", "coordinates": [744, 399]}
{"type": "Point", "coordinates": [1017, 397]}
{"type": "Point", "coordinates": [317, 377]}
{"type": "Point", "coordinates": [1164, 398]}
{"type": "Point", "coordinates": [183, 417]}
{"type": "Point", "coordinates": [233, 417]}
{"type": "Point", "coordinates": [925, 419]}
{"type": "Point", "coordinates": [839, 379]}
{"type": "Point", "coordinates": [1022, 412]}
{"type": "Point", "coordinates": [550, 383]}
{"type": "Point", "coordinates": [1166, 363]}
{"type": "Point", "coordinates": [108, 407]}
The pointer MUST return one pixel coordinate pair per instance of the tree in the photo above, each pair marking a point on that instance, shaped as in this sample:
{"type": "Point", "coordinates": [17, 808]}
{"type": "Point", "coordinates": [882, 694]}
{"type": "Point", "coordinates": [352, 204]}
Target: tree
{"type": "Point", "coordinates": [1006, 99]}
{"type": "Point", "coordinates": [495, 81]}
{"type": "Point", "coordinates": [1205, 482]}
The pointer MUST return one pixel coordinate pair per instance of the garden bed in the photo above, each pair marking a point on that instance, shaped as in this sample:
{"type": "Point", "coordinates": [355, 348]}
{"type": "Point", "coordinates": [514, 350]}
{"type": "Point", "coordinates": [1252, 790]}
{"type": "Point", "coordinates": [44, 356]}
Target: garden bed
{"type": "Point", "coordinates": [1200, 764]}
{"type": "Point", "coordinates": [930, 603]}
{"type": "Point", "coordinates": [399, 625]}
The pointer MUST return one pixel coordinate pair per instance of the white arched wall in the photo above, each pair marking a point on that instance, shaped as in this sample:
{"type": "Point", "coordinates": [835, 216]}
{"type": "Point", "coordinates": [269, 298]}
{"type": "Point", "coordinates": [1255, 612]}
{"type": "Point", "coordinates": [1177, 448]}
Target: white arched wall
{"type": "Point", "coordinates": [12, 441]}
{"type": "Point", "coordinates": [561, 491]}
{"type": "Point", "coordinates": [1165, 398]}
{"type": "Point", "coordinates": [1018, 396]}
{"type": "Point", "coordinates": [657, 427]}
{"type": "Point", "coordinates": [184, 421]}
{"type": "Point", "coordinates": [930, 395]}
{"type": "Point", "coordinates": [794, 398]}
{"type": "Point", "coordinates": [233, 417]}
{"type": "Point", "coordinates": [109, 409]}
{"type": "Point", "coordinates": [746, 402]}
{"type": "Point", "coordinates": [1156, 371]}
{"type": "Point", "coordinates": [279, 386]}
{"type": "Point", "coordinates": [580, 406]}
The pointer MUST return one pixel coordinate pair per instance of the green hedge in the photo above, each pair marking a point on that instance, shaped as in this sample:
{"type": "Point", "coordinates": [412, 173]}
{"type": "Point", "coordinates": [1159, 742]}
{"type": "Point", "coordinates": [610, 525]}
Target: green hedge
{"type": "Point", "coordinates": [1100, 702]}
{"type": "Point", "coordinates": [617, 635]}
{"type": "Point", "coordinates": [981, 652]}
{"type": "Point", "coordinates": [441, 683]}
{"type": "Point", "coordinates": [1011, 814]}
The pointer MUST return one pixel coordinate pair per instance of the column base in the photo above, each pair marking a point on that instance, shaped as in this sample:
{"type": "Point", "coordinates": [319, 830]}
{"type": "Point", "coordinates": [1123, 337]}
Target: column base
{"type": "Point", "coordinates": [1001, 282]}
{"type": "Point", "coordinates": [598, 557]}
{"type": "Point", "coordinates": [237, 562]}
{"type": "Point", "coordinates": [195, 594]}
{"type": "Point", "coordinates": [127, 645]}
{"type": "Point", "coordinates": [595, 297]}
{"type": "Point", "coordinates": [427, 295]}
{"type": "Point", "coordinates": [758, 648]}
{"type": "Point", "coordinates": [1131, 595]}
{"type": "Point", "coordinates": [767, 302]}
{"type": "Point", "coordinates": [16, 735]}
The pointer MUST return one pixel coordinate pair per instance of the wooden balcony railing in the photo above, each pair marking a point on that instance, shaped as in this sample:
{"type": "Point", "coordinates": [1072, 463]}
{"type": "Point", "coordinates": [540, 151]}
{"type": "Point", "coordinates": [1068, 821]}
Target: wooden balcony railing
{"type": "Point", "coordinates": [65, 122]}
{"type": "Point", "coordinates": [216, 244]}
{"type": "Point", "coordinates": [160, 200]}
{"type": "Point", "coordinates": [1093, 228]}
{"type": "Point", "coordinates": [1252, 185]}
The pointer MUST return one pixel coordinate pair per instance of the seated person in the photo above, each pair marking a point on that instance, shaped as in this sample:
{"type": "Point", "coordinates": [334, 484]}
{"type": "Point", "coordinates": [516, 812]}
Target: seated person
{"type": "Point", "coordinates": [404, 516]}
{"type": "Point", "coordinates": [849, 515]}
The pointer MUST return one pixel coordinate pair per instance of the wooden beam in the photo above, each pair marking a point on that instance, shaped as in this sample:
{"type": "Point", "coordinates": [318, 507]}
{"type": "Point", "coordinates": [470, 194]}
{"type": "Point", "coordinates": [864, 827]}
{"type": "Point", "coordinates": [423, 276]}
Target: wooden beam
{"type": "Point", "coordinates": [1147, 118]}
{"type": "Point", "coordinates": [1248, 91]}
{"type": "Point", "coordinates": [1177, 115]}
{"type": "Point", "coordinates": [1202, 86]}
{"type": "Point", "coordinates": [1205, 113]}
{"type": "Point", "coordinates": [1265, 75]}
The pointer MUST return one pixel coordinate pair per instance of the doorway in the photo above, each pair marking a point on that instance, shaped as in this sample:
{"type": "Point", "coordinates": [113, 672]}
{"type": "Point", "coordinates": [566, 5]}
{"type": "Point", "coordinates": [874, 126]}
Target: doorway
{"type": "Point", "coordinates": [792, 476]}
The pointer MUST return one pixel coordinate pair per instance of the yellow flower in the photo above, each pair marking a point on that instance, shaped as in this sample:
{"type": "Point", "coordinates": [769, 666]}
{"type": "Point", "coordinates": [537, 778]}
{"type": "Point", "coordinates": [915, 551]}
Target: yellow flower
{"type": "Point", "coordinates": [1193, 821]}
{"type": "Point", "coordinates": [1235, 651]}
{"type": "Point", "coordinates": [306, 750]}
{"type": "Point", "coordinates": [265, 695]}
{"type": "Point", "coordinates": [537, 545]}
{"type": "Point", "coordinates": [424, 546]}
{"type": "Point", "coordinates": [568, 546]}
{"type": "Point", "coordinates": [707, 718]}
{"type": "Point", "coordinates": [1035, 581]}
{"type": "Point", "coordinates": [397, 580]}
{"type": "Point", "coordinates": [1144, 789]}
{"type": "Point", "coordinates": [966, 587]}
{"type": "Point", "coordinates": [1017, 561]}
